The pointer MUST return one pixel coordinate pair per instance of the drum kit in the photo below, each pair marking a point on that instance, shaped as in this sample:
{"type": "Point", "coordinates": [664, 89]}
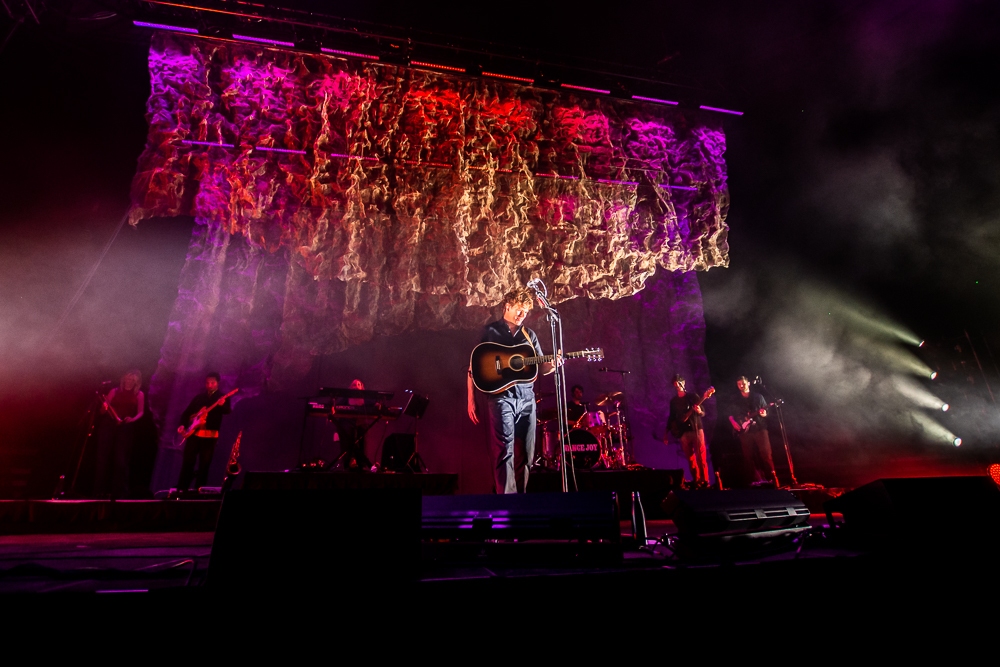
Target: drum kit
{"type": "Point", "coordinates": [597, 440]}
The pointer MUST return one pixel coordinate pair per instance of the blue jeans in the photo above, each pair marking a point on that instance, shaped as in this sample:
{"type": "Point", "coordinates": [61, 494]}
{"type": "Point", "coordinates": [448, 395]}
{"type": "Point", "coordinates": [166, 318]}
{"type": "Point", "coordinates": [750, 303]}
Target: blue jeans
{"type": "Point", "coordinates": [512, 440]}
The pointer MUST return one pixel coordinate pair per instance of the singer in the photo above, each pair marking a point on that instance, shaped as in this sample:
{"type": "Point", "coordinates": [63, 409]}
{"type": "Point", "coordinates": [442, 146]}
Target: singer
{"type": "Point", "coordinates": [512, 412]}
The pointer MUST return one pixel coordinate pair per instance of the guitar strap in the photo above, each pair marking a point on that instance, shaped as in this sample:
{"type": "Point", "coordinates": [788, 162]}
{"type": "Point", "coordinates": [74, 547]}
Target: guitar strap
{"type": "Point", "coordinates": [528, 338]}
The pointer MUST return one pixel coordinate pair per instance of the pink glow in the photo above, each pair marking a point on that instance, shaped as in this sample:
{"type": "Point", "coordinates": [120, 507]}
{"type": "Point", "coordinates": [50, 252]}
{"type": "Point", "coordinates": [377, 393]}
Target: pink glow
{"type": "Point", "coordinates": [667, 186]}
{"type": "Point", "coordinates": [589, 90]}
{"type": "Point", "coordinates": [161, 26]}
{"type": "Point", "coordinates": [280, 150]}
{"type": "Point", "coordinates": [262, 40]}
{"type": "Point", "coordinates": [207, 143]}
{"type": "Point", "coordinates": [351, 54]}
{"type": "Point", "coordinates": [653, 99]}
{"type": "Point", "coordinates": [735, 113]}
{"type": "Point", "coordinates": [420, 63]}
{"type": "Point", "coordinates": [509, 77]}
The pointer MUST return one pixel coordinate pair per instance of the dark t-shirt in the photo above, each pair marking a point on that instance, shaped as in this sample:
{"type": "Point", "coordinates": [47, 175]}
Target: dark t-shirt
{"type": "Point", "coordinates": [575, 411]}
{"type": "Point", "coordinates": [499, 332]}
{"type": "Point", "coordinates": [748, 406]}
{"type": "Point", "coordinates": [203, 400]}
{"type": "Point", "coordinates": [679, 406]}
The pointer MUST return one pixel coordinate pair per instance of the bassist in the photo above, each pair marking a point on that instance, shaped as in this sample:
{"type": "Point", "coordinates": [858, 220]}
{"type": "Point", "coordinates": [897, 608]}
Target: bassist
{"type": "Point", "coordinates": [689, 431]}
{"type": "Point", "coordinates": [201, 445]}
{"type": "Point", "coordinates": [512, 411]}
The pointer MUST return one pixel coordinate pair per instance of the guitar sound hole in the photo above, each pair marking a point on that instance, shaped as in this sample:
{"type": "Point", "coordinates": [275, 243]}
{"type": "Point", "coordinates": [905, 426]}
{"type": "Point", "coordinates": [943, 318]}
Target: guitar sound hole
{"type": "Point", "coordinates": [516, 363]}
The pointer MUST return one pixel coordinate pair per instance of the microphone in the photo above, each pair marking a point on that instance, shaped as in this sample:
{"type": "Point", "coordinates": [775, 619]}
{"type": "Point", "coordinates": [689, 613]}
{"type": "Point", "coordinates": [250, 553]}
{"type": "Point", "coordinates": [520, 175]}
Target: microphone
{"type": "Point", "coordinates": [757, 380]}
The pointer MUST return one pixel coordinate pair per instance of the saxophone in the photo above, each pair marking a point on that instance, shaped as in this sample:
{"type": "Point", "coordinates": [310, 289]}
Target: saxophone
{"type": "Point", "coordinates": [233, 467]}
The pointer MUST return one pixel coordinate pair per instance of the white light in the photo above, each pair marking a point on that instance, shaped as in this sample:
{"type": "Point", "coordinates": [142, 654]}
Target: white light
{"type": "Point", "coordinates": [934, 375]}
{"type": "Point", "coordinates": [958, 442]}
{"type": "Point", "coordinates": [944, 408]}
{"type": "Point", "coordinates": [921, 343]}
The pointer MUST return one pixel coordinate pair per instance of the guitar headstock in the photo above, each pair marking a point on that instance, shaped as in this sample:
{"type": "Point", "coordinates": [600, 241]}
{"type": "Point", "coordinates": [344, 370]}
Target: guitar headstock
{"type": "Point", "coordinates": [594, 354]}
{"type": "Point", "coordinates": [709, 392]}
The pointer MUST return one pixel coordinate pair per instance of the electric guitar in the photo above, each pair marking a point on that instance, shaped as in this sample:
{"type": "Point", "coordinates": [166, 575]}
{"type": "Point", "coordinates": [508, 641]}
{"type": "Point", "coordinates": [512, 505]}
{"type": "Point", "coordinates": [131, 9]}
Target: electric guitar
{"type": "Point", "coordinates": [198, 420]}
{"type": "Point", "coordinates": [497, 367]}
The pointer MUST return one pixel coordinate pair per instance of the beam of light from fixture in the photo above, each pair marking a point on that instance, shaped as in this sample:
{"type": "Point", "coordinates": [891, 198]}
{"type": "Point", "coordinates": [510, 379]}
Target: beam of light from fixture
{"type": "Point", "coordinates": [729, 111]}
{"type": "Point", "coordinates": [263, 40]}
{"type": "Point", "coordinates": [585, 88]}
{"type": "Point", "coordinates": [163, 26]}
{"type": "Point", "coordinates": [509, 77]}
{"type": "Point", "coordinates": [349, 54]}
{"type": "Point", "coordinates": [934, 431]}
{"type": "Point", "coordinates": [912, 390]}
{"type": "Point", "coordinates": [653, 99]}
{"type": "Point", "coordinates": [895, 358]}
{"type": "Point", "coordinates": [868, 320]}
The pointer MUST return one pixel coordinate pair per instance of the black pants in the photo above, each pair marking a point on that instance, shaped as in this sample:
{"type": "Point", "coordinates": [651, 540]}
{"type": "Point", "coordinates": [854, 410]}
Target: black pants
{"type": "Point", "coordinates": [201, 449]}
{"type": "Point", "coordinates": [114, 447]}
{"type": "Point", "coordinates": [756, 446]}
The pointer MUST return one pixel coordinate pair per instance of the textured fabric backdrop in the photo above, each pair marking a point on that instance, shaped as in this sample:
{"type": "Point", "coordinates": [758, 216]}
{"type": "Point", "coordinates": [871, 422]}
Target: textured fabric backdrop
{"type": "Point", "coordinates": [342, 203]}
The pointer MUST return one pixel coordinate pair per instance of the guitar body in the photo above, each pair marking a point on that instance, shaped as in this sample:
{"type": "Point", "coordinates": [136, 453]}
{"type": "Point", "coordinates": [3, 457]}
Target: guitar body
{"type": "Point", "coordinates": [497, 367]}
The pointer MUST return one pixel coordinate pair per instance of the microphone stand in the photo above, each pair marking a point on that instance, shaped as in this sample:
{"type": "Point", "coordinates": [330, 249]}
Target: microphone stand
{"type": "Point", "coordinates": [625, 420]}
{"type": "Point", "coordinates": [776, 403]}
{"type": "Point", "coordinates": [555, 324]}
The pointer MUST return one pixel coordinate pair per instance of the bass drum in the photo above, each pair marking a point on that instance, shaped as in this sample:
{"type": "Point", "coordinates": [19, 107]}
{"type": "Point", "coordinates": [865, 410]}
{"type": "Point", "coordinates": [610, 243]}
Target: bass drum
{"type": "Point", "coordinates": [585, 449]}
{"type": "Point", "coordinates": [584, 446]}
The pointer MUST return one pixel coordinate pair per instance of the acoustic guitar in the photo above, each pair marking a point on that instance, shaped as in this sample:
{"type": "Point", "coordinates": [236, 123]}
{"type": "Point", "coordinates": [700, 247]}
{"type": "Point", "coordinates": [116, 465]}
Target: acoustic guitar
{"type": "Point", "coordinates": [497, 367]}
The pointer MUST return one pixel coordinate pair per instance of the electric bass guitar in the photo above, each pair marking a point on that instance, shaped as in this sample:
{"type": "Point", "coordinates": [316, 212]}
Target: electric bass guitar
{"type": "Point", "coordinates": [497, 367]}
{"type": "Point", "coordinates": [198, 420]}
{"type": "Point", "coordinates": [690, 413]}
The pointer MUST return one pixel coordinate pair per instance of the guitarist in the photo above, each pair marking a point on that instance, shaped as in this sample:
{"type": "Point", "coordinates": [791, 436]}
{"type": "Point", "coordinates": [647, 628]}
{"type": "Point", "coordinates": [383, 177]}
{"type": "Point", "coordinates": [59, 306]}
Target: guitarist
{"type": "Point", "coordinates": [689, 431]}
{"type": "Point", "coordinates": [751, 429]}
{"type": "Point", "coordinates": [201, 445]}
{"type": "Point", "coordinates": [512, 411]}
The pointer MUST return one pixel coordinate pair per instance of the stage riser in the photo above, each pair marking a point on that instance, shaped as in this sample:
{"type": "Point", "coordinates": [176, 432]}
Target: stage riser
{"type": "Point", "coordinates": [24, 517]}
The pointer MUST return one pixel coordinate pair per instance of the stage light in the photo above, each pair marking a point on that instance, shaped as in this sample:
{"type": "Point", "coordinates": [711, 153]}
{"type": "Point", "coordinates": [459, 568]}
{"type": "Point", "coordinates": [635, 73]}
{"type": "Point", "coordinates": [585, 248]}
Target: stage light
{"type": "Point", "coordinates": [934, 375]}
{"type": "Point", "coordinates": [421, 63]}
{"type": "Point", "coordinates": [509, 77]}
{"type": "Point", "coordinates": [913, 390]}
{"type": "Point", "coordinates": [161, 26]}
{"type": "Point", "coordinates": [653, 99]}
{"type": "Point", "coordinates": [585, 88]}
{"type": "Point", "coordinates": [922, 343]}
{"type": "Point", "coordinates": [932, 430]}
{"type": "Point", "coordinates": [994, 472]}
{"type": "Point", "coordinates": [264, 40]}
{"type": "Point", "coordinates": [729, 111]}
{"type": "Point", "coordinates": [350, 54]}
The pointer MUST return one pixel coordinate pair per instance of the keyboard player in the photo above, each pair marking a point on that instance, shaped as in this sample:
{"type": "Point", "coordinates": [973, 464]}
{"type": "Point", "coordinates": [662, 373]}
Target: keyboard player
{"type": "Point", "coordinates": [350, 432]}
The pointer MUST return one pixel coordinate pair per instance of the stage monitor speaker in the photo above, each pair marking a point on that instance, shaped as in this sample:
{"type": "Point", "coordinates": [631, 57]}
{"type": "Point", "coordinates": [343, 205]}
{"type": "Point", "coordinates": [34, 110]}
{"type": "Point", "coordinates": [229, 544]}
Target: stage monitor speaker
{"type": "Point", "coordinates": [301, 540]}
{"type": "Point", "coordinates": [940, 514]}
{"type": "Point", "coordinates": [727, 525]}
{"type": "Point", "coordinates": [551, 516]}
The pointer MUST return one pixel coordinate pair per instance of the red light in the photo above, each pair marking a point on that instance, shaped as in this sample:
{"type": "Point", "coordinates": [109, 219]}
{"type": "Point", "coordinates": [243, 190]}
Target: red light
{"type": "Point", "coordinates": [421, 63]}
{"type": "Point", "coordinates": [509, 77]}
{"type": "Point", "coordinates": [994, 473]}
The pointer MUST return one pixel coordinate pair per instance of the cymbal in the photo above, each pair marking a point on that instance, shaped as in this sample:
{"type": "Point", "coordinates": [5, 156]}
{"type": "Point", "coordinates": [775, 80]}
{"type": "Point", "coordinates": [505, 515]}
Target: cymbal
{"type": "Point", "coordinates": [604, 398]}
{"type": "Point", "coordinates": [546, 415]}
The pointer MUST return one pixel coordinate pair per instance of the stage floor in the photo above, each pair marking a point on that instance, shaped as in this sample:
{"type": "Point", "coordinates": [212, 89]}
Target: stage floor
{"type": "Point", "coordinates": [150, 562]}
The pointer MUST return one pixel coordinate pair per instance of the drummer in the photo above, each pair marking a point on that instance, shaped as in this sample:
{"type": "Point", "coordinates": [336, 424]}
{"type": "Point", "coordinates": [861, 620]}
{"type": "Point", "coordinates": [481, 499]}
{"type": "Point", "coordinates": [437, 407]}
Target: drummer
{"type": "Point", "coordinates": [577, 408]}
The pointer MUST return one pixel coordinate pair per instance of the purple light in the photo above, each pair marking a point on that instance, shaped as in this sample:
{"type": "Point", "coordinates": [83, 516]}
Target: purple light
{"type": "Point", "coordinates": [352, 54]}
{"type": "Point", "coordinates": [207, 143]}
{"type": "Point", "coordinates": [678, 187]}
{"type": "Point", "coordinates": [280, 150]}
{"type": "Point", "coordinates": [276, 42]}
{"type": "Point", "coordinates": [653, 99]}
{"type": "Point", "coordinates": [735, 113]}
{"type": "Point", "coordinates": [589, 90]}
{"type": "Point", "coordinates": [614, 182]}
{"type": "Point", "coordinates": [161, 26]}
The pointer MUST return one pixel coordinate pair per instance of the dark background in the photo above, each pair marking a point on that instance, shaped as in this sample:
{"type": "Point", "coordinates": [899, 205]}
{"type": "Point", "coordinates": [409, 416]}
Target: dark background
{"type": "Point", "coordinates": [864, 180]}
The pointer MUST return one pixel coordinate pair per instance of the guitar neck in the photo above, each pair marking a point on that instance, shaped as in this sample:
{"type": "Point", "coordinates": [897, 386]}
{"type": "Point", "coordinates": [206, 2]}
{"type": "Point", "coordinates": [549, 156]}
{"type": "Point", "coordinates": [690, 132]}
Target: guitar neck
{"type": "Point", "coordinates": [549, 358]}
